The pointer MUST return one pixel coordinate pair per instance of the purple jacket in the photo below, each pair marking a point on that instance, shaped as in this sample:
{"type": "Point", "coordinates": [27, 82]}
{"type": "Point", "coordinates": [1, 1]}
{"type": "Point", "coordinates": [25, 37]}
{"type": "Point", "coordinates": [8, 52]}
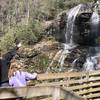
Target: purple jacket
{"type": "Point", "coordinates": [19, 78]}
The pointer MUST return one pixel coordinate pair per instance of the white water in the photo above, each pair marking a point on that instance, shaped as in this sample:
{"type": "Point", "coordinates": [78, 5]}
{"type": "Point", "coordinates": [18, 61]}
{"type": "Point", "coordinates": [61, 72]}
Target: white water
{"type": "Point", "coordinates": [94, 22]}
{"type": "Point", "coordinates": [69, 45]}
{"type": "Point", "coordinates": [90, 64]}
{"type": "Point", "coordinates": [54, 59]}
{"type": "Point", "coordinates": [60, 56]}
{"type": "Point", "coordinates": [70, 23]}
{"type": "Point", "coordinates": [62, 59]}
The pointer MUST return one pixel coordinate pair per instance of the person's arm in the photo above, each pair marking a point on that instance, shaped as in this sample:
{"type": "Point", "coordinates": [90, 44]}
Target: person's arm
{"type": "Point", "coordinates": [11, 53]}
{"type": "Point", "coordinates": [30, 76]}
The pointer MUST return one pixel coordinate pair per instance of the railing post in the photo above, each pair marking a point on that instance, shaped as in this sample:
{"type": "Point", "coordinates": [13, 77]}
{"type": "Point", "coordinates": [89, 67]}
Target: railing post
{"type": "Point", "coordinates": [56, 93]}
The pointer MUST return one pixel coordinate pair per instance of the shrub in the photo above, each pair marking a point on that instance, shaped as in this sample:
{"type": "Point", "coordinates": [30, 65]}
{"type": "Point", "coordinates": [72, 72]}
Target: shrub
{"type": "Point", "coordinates": [7, 42]}
{"type": "Point", "coordinates": [29, 34]}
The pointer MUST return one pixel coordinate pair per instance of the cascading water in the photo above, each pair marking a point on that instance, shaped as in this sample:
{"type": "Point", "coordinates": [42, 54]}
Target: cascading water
{"type": "Point", "coordinates": [71, 16]}
{"type": "Point", "coordinates": [87, 16]}
{"type": "Point", "coordinates": [94, 21]}
{"type": "Point", "coordinates": [70, 23]}
{"type": "Point", "coordinates": [90, 64]}
{"type": "Point", "coordinates": [60, 55]}
{"type": "Point", "coordinates": [55, 57]}
{"type": "Point", "coordinates": [72, 33]}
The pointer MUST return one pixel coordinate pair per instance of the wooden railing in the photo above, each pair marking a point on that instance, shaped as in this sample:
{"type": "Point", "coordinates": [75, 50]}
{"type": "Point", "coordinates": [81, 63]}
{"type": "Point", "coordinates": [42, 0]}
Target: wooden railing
{"type": "Point", "coordinates": [85, 84]}
{"type": "Point", "coordinates": [54, 93]}
{"type": "Point", "coordinates": [66, 86]}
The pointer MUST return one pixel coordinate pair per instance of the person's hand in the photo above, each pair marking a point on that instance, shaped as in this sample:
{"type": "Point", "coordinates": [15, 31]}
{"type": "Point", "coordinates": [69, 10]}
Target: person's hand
{"type": "Point", "coordinates": [35, 74]}
{"type": "Point", "coordinates": [19, 45]}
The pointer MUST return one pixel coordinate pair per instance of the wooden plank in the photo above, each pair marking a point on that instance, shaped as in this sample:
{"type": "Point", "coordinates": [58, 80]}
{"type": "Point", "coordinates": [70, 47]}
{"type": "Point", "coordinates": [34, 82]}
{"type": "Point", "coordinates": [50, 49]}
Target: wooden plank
{"type": "Point", "coordinates": [70, 82]}
{"type": "Point", "coordinates": [27, 92]}
{"type": "Point", "coordinates": [90, 96]}
{"type": "Point", "coordinates": [8, 92]}
{"type": "Point", "coordinates": [83, 86]}
{"type": "Point", "coordinates": [56, 94]}
{"type": "Point", "coordinates": [52, 84]}
{"type": "Point", "coordinates": [48, 76]}
{"type": "Point", "coordinates": [61, 83]}
{"type": "Point", "coordinates": [74, 88]}
{"type": "Point", "coordinates": [64, 93]}
{"type": "Point", "coordinates": [84, 80]}
{"type": "Point", "coordinates": [85, 91]}
{"type": "Point", "coordinates": [31, 92]}
{"type": "Point", "coordinates": [39, 91]}
{"type": "Point", "coordinates": [94, 73]}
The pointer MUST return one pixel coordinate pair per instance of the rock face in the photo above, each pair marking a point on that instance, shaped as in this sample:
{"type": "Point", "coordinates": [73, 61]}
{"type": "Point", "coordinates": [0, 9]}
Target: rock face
{"type": "Point", "coordinates": [83, 24]}
{"type": "Point", "coordinates": [79, 25]}
{"type": "Point", "coordinates": [37, 57]}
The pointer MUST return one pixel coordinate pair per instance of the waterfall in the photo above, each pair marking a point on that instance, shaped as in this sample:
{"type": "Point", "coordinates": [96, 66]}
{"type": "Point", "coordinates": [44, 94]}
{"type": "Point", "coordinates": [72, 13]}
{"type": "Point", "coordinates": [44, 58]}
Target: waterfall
{"type": "Point", "coordinates": [54, 59]}
{"type": "Point", "coordinates": [95, 18]}
{"type": "Point", "coordinates": [94, 22]}
{"type": "Point", "coordinates": [90, 64]}
{"type": "Point", "coordinates": [82, 26]}
{"type": "Point", "coordinates": [63, 57]}
{"type": "Point", "coordinates": [71, 16]}
{"type": "Point", "coordinates": [60, 55]}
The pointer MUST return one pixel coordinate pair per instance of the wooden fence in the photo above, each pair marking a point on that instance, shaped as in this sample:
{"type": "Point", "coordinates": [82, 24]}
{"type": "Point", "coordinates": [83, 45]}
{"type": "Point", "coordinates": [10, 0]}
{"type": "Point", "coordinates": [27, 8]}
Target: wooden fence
{"type": "Point", "coordinates": [56, 93]}
{"type": "Point", "coordinates": [64, 86]}
{"type": "Point", "coordinates": [85, 84]}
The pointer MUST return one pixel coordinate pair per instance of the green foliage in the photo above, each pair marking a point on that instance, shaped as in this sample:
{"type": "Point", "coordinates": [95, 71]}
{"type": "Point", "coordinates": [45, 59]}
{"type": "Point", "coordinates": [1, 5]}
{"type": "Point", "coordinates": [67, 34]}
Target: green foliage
{"type": "Point", "coordinates": [25, 34]}
{"type": "Point", "coordinates": [7, 42]}
{"type": "Point", "coordinates": [29, 34]}
{"type": "Point", "coordinates": [71, 3]}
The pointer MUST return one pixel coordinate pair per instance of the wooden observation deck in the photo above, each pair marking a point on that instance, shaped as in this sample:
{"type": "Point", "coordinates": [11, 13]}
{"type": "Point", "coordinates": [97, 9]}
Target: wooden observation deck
{"type": "Point", "coordinates": [59, 86]}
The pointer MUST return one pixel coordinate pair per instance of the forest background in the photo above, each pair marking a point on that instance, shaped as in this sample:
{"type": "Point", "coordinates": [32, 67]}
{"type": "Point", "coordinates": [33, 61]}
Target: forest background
{"type": "Point", "coordinates": [24, 21]}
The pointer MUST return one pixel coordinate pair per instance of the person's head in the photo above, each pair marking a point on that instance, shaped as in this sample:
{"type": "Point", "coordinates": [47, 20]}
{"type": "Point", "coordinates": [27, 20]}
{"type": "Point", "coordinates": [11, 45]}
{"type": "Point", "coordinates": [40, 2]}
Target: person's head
{"type": "Point", "coordinates": [13, 68]}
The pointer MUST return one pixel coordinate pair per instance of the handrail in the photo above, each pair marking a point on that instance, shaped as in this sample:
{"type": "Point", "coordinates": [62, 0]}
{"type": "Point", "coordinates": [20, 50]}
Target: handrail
{"type": "Point", "coordinates": [82, 83]}
{"type": "Point", "coordinates": [48, 76]}
{"type": "Point", "coordinates": [30, 92]}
